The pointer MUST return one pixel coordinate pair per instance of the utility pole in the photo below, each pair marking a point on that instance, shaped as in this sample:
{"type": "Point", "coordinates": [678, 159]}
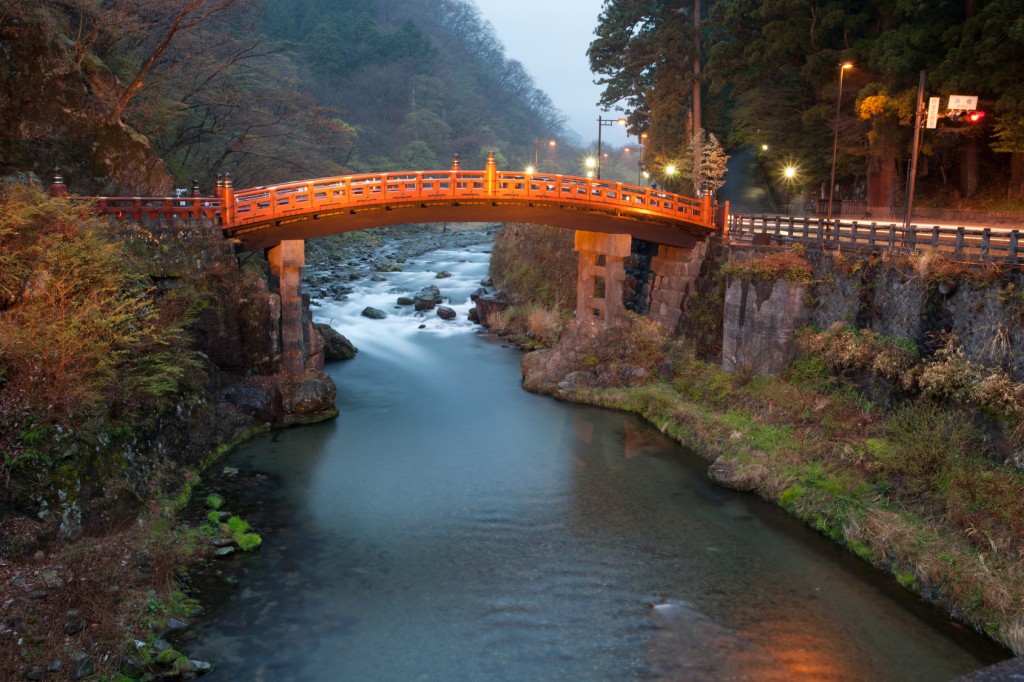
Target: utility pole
{"type": "Point", "coordinates": [697, 156]}
{"type": "Point", "coordinates": [913, 155]}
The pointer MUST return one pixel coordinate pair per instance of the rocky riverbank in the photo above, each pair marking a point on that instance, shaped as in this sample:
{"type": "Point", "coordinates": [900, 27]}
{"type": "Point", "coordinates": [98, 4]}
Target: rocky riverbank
{"type": "Point", "coordinates": [67, 605]}
{"type": "Point", "coordinates": [332, 263]}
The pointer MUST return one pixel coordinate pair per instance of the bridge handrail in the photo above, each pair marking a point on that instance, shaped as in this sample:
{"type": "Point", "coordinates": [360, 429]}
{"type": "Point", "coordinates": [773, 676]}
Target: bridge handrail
{"type": "Point", "coordinates": [269, 202]}
{"type": "Point", "coordinates": [158, 208]}
{"type": "Point", "coordinates": [985, 243]}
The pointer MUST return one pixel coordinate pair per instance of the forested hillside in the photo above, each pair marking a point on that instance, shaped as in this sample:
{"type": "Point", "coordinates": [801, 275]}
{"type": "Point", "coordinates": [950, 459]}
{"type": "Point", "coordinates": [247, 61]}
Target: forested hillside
{"type": "Point", "coordinates": [267, 91]}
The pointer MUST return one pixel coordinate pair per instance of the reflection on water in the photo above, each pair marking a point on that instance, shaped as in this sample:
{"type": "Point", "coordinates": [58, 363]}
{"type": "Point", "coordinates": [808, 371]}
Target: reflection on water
{"type": "Point", "coordinates": [450, 526]}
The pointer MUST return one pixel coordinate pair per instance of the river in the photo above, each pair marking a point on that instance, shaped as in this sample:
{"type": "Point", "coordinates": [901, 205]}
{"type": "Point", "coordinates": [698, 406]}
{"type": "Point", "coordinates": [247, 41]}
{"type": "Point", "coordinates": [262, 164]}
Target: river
{"type": "Point", "coordinates": [451, 526]}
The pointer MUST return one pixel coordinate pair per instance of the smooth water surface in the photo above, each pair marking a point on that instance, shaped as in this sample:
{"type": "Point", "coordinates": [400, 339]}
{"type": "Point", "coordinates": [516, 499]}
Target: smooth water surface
{"type": "Point", "coordinates": [451, 526]}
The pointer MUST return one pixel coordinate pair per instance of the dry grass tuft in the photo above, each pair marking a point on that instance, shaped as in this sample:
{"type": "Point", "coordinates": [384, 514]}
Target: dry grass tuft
{"type": "Point", "coordinates": [786, 265]}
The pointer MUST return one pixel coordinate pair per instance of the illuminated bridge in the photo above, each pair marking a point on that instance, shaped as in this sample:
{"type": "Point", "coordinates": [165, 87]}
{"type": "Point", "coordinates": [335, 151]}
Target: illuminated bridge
{"type": "Point", "coordinates": [262, 217]}
{"type": "Point", "coordinates": [606, 216]}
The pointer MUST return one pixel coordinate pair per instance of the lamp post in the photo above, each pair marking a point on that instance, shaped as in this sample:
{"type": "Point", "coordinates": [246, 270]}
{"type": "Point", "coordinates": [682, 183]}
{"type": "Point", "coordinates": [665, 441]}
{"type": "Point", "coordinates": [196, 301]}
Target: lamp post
{"type": "Point", "coordinates": [602, 122]}
{"type": "Point", "coordinates": [670, 173]}
{"type": "Point", "coordinates": [789, 173]}
{"type": "Point", "coordinates": [835, 137]}
{"type": "Point", "coordinates": [536, 150]}
{"type": "Point", "coordinates": [640, 161]}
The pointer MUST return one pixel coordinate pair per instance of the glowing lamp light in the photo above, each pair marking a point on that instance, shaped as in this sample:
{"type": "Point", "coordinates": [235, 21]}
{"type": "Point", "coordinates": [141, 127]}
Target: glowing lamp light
{"type": "Point", "coordinates": [975, 116]}
{"type": "Point", "coordinates": [670, 170]}
{"type": "Point", "coordinates": [530, 170]}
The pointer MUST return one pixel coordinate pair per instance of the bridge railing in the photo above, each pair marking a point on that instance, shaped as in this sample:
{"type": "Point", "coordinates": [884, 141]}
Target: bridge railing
{"type": "Point", "coordinates": [159, 209]}
{"type": "Point", "coordinates": [351, 191]}
{"type": "Point", "coordinates": [980, 243]}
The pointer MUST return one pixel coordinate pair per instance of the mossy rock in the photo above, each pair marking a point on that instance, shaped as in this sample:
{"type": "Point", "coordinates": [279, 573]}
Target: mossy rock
{"type": "Point", "coordinates": [169, 657]}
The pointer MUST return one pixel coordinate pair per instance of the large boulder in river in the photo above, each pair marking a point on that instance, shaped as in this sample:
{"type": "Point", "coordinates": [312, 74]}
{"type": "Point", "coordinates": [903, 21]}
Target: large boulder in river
{"type": "Point", "coordinates": [446, 313]}
{"type": "Point", "coordinates": [373, 313]}
{"type": "Point", "coordinates": [475, 296]}
{"type": "Point", "coordinates": [336, 346]}
{"type": "Point", "coordinates": [427, 297]}
{"type": "Point", "coordinates": [314, 394]}
{"type": "Point", "coordinates": [489, 305]}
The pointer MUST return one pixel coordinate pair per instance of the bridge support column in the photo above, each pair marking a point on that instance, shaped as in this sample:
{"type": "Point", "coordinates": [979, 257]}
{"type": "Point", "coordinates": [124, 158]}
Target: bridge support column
{"type": "Point", "coordinates": [601, 276]}
{"type": "Point", "coordinates": [286, 261]}
{"type": "Point", "coordinates": [675, 273]}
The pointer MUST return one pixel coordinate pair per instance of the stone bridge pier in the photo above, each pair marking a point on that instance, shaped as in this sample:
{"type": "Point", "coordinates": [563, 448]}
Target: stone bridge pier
{"type": "Point", "coordinates": [286, 260]}
{"type": "Point", "coordinates": [602, 276]}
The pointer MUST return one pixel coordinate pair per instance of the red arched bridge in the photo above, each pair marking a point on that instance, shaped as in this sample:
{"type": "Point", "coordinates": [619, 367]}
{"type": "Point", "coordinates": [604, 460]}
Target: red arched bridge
{"type": "Point", "coordinates": [605, 215]}
{"type": "Point", "coordinates": [262, 217]}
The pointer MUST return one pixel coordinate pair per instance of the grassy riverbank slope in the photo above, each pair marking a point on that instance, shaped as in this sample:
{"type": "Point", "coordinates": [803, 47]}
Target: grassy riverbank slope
{"type": "Point", "coordinates": [886, 453]}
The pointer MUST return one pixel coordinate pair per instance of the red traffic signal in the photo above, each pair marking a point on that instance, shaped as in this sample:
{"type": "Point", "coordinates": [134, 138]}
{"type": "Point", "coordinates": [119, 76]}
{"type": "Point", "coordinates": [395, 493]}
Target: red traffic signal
{"type": "Point", "coordinates": [975, 116]}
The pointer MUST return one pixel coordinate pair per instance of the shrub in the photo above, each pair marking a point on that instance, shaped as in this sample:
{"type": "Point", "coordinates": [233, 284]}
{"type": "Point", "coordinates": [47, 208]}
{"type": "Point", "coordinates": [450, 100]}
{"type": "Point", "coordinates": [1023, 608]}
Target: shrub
{"type": "Point", "coordinates": [845, 349]}
{"type": "Point", "coordinates": [927, 439]}
{"type": "Point", "coordinates": [787, 265]}
{"type": "Point", "coordinates": [88, 350]}
{"type": "Point", "coordinates": [536, 263]}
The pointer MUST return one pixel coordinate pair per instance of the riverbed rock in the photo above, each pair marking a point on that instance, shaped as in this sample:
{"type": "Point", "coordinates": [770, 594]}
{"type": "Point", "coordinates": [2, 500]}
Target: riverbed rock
{"type": "Point", "coordinates": [259, 400]}
{"type": "Point", "coordinates": [444, 274]}
{"type": "Point", "coordinates": [314, 394]}
{"type": "Point", "coordinates": [336, 346]}
{"type": "Point", "coordinates": [373, 313]}
{"type": "Point", "coordinates": [446, 313]}
{"type": "Point", "coordinates": [81, 665]}
{"type": "Point", "coordinates": [406, 300]}
{"type": "Point", "coordinates": [477, 294]}
{"type": "Point", "coordinates": [200, 667]}
{"type": "Point", "coordinates": [741, 476]}
{"type": "Point", "coordinates": [488, 305]}
{"type": "Point", "coordinates": [427, 297]}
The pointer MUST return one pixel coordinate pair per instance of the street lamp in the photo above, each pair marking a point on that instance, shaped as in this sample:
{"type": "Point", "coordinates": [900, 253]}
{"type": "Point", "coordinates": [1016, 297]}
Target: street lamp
{"type": "Point", "coordinates": [789, 173]}
{"type": "Point", "coordinates": [601, 122]}
{"type": "Point", "coordinates": [640, 161]}
{"type": "Point", "coordinates": [536, 150]}
{"type": "Point", "coordinates": [835, 137]}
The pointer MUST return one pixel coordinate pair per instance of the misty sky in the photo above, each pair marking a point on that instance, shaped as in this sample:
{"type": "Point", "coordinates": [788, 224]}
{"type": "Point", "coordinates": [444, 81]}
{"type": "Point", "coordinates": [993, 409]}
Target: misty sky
{"type": "Point", "coordinates": [550, 38]}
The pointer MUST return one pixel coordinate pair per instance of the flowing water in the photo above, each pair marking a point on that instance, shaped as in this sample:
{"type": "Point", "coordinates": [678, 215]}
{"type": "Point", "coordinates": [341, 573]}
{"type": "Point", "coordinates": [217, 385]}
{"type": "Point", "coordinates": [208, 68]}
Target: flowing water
{"type": "Point", "coordinates": [451, 526]}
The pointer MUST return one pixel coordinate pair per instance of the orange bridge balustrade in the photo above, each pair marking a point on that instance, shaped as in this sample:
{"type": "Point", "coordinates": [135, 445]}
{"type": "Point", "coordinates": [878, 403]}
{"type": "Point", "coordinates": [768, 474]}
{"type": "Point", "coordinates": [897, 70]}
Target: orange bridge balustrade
{"type": "Point", "coordinates": [262, 217]}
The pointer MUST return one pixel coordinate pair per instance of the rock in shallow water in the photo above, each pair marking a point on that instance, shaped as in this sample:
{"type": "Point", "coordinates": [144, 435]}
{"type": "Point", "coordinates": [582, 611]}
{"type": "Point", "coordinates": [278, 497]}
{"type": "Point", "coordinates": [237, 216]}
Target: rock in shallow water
{"type": "Point", "coordinates": [336, 346]}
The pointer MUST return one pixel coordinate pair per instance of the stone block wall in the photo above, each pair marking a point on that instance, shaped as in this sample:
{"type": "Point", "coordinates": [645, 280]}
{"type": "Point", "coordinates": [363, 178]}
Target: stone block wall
{"type": "Point", "coordinates": [759, 325]}
{"type": "Point", "coordinates": [675, 273]}
{"type": "Point", "coordinates": [601, 276]}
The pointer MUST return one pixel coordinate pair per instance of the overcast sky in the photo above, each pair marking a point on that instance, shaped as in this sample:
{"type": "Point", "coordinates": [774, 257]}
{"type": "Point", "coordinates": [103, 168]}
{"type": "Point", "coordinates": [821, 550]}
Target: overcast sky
{"type": "Point", "coordinates": [550, 38]}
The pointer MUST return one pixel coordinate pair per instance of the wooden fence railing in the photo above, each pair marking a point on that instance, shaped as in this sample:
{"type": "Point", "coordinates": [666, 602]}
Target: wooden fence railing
{"type": "Point", "coordinates": [978, 243]}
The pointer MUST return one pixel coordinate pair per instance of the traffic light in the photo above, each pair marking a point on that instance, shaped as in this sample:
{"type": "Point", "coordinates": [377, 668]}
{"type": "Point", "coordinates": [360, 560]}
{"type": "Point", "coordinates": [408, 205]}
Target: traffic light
{"type": "Point", "coordinates": [975, 116]}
